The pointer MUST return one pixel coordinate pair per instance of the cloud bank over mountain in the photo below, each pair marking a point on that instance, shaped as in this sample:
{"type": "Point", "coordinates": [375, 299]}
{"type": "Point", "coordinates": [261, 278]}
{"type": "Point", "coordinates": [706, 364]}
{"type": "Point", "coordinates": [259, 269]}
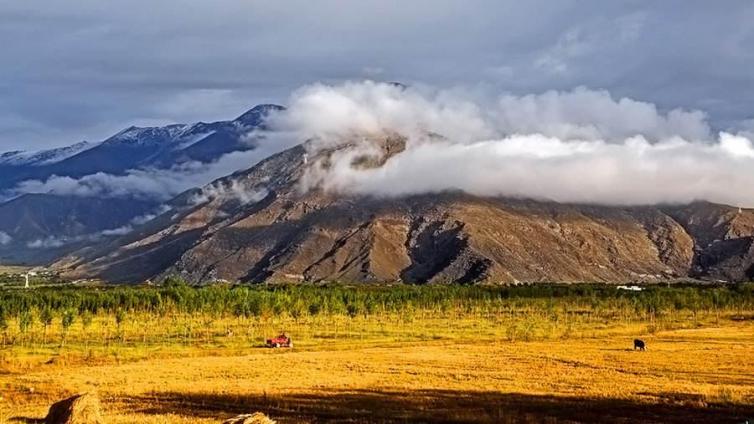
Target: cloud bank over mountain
{"type": "Point", "coordinates": [579, 146]}
{"type": "Point", "coordinates": [160, 184]}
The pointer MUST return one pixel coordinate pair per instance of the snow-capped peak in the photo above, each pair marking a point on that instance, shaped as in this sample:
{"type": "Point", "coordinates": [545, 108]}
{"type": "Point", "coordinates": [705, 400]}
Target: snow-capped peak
{"type": "Point", "coordinates": [44, 157]}
{"type": "Point", "coordinates": [147, 135]}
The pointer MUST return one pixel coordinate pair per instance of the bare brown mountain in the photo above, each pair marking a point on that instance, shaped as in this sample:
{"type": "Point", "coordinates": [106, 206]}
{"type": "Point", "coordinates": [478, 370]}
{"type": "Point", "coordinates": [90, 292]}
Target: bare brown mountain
{"type": "Point", "coordinates": [260, 225]}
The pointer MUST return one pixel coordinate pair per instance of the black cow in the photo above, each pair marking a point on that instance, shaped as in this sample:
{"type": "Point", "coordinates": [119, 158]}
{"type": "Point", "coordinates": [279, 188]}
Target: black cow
{"type": "Point", "coordinates": [639, 344]}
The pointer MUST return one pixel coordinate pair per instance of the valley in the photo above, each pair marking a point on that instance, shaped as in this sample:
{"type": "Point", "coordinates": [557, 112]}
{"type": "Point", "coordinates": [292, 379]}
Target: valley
{"type": "Point", "coordinates": [471, 355]}
{"type": "Point", "coordinates": [248, 212]}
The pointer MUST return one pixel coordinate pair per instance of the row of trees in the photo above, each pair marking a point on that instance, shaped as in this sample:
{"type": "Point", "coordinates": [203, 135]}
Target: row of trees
{"type": "Point", "coordinates": [176, 311]}
{"type": "Point", "coordinates": [295, 301]}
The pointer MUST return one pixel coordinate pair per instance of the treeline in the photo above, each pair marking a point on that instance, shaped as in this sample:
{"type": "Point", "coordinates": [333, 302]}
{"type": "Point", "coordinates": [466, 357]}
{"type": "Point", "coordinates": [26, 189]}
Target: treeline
{"type": "Point", "coordinates": [174, 296]}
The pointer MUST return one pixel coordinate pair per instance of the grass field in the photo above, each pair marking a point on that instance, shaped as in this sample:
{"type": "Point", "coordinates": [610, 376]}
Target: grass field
{"type": "Point", "coordinates": [461, 364]}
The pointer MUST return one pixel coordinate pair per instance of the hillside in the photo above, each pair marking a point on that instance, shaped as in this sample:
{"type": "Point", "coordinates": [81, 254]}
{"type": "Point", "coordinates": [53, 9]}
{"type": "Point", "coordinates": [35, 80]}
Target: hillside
{"type": "Point", "coordinates": [260, 225]}
{"type": "Point", "coordinates": [41, 227]}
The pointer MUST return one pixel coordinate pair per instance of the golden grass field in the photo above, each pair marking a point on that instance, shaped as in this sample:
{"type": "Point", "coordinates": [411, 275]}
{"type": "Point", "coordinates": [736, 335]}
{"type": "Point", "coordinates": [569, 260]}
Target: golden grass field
{"type": "Point", "coordinates": [389, 370]}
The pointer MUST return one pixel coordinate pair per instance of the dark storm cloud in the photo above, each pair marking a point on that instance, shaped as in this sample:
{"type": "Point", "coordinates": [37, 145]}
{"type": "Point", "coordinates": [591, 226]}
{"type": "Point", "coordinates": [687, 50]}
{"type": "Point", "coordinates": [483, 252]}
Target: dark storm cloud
{"type": "Point", "coordinates": [83, 69]}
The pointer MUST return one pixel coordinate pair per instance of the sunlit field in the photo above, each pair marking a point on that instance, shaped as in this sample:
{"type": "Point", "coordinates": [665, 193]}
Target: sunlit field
{"type": "Point", "coordinates": [177, 354]}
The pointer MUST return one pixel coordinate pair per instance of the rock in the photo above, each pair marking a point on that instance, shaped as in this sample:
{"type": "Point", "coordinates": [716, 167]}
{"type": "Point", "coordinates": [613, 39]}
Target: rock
{"type": "Point", "coordinates": [83, 408]}
{"type": "Point", "coordinates": [255, 418]}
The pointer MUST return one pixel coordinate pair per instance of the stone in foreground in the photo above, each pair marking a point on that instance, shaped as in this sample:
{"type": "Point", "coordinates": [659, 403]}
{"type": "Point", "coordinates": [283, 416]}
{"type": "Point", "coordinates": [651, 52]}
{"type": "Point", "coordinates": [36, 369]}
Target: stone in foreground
{"type": "Point", "coordinates": [83, 408]}
{"type": "Point", "coordinates": [255, 418]}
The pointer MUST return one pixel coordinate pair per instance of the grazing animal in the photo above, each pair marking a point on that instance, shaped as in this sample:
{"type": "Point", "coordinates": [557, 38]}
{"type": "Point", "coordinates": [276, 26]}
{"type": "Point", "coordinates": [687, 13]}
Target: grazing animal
{"type": "Point", "coordinates": [639, 344]}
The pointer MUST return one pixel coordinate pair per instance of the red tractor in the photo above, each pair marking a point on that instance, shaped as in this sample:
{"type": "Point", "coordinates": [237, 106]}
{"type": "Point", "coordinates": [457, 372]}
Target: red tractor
{"type": "Point", "coordinates": [280, 341]}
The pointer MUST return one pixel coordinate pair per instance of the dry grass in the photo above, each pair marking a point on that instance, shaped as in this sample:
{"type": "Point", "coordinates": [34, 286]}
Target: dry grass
{"type": "Point", "coordinates": [362, 370]}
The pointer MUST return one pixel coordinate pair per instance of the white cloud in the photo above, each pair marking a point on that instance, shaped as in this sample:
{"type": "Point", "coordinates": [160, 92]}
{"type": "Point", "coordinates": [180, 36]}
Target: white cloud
{"type": "Point", "coordinates": [228, 190]}
{"type": "Point", "coordinates": [634, 172]}
{"type": "Point", "coordinates": [5, 238]}
{"type": "Point", "coordinates": [161, 184]}
{"type": "Point", "coordinates": [143, 219]}
{"type": "Point", "coordinates": [48, 243]}
{"type": "Point", "coordinates": [125, 229]}
{"type": "Point", "coordinates": [594, 115]}
{"type": "Point", "coordinates": [575, 146]}
{"type": "Point", "coordinates": [337, 113]}
{"type": "Point", "coordinates": [54, 242]}
{"type": "Point", "coordinates": [579, 146]}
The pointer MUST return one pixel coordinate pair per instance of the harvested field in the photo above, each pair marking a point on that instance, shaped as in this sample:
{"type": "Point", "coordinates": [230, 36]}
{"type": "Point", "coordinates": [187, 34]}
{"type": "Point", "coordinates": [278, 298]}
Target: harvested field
{"type": "Point", "coordinates": [688, 375]}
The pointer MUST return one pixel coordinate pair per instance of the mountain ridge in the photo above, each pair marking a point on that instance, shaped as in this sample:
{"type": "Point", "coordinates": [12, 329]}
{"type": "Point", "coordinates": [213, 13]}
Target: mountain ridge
{"type": "Point", "coordinates": [276, 222]}
{"type": "Point", "coordinates": [147, 149]}
{"type": "Point", "coordinates": [140, 147]}
{"type": "Point", "coordinates": [288, 234]}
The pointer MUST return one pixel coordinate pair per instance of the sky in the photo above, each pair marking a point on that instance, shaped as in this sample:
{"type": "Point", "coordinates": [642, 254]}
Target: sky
{"type": "Point", "coordinates": [83, 69]}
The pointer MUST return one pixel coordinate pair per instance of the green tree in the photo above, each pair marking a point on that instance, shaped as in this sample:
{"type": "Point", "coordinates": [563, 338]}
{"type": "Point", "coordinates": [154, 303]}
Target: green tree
{"type": "Point", "coordinates": [45, 317]}
{"type": "Point", "coordinates": [86, 319]}
{"type": "Point", "coordinates": [314, 309]}
{"type": "Point", "coordinates": [25, 321]}
{"type": "Point", "coordinates": [4, 325]}
{"type": "Point", "coordinates": [120, 319]}
{"type": "Point", "coordinates": [297, 309]}
{"type": "Point", "coordinates": [86, 322]}
{"type": "Point", "coordinates": [353, 310]}
{"type": "Point", "coordinates": [66, 321]}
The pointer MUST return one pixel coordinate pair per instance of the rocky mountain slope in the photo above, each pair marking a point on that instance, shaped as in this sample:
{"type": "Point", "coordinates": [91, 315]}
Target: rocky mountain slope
{"type": "Point", "coordinates": [261, 225]}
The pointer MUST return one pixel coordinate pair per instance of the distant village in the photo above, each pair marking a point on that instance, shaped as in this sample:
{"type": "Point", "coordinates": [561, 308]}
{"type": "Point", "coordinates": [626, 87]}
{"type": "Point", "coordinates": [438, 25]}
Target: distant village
{"type": "Point", "coordinates": [28, 278]}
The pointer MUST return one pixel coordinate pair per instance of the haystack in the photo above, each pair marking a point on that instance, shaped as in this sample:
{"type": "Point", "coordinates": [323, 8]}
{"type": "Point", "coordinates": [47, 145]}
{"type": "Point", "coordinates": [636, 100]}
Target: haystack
{"type": "Point", "coordinates": [84, 408]}
{"type": "Point", "coordinates": [255, 418]}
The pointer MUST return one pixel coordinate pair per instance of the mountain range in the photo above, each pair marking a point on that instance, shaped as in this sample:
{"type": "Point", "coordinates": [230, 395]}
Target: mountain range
{"type": "Point", "coordinates": [43, 224]}
{"type": "Point", "coordinates": [136, 148]}
{"type": "Point", "coordinates": [259, 225]}
{"type": "Point", "coordinates": [279, 233]}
